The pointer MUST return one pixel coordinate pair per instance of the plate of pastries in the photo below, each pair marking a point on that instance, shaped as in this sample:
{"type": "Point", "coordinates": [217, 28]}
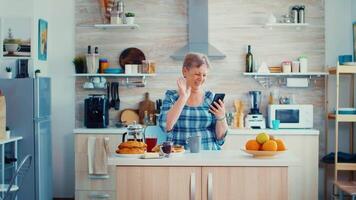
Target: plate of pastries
{"type": "Point", "coordinates": [131, 149]}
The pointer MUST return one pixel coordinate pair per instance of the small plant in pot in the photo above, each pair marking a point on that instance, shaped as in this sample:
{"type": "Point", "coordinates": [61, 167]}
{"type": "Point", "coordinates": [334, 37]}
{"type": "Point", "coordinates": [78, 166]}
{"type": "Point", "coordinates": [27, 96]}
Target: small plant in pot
{"type": "Point", "coordinates": [8, 132]}
{"type": "Point", "coordinates": [80, 64]}
{"type": "Point", "coordinates": [8, 72]}
{"type": "Point", "coordinates": [130, 18]}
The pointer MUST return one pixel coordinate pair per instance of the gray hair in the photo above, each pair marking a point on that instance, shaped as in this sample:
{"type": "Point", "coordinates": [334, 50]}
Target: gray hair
{"type": "Point", "coordinates": [193, 59]}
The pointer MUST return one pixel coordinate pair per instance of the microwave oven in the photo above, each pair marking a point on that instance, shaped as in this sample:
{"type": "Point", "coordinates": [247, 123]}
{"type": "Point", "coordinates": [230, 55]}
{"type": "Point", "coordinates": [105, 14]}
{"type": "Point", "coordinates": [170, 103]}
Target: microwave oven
{"type": "Point", "coordinates": [291, 115]}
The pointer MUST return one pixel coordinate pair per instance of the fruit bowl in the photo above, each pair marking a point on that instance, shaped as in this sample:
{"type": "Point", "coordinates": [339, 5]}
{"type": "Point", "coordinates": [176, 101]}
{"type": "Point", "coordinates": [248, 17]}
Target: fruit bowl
{"type": "Point", "coordinates": [262, 154]}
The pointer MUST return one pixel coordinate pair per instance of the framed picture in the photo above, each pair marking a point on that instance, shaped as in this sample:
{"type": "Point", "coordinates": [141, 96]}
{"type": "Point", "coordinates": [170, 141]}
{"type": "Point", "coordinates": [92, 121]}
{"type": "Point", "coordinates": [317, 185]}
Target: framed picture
{"type": "Point", "coordinates": [16, 37]}
{"type": "Point", "coordinates": [42, 39]}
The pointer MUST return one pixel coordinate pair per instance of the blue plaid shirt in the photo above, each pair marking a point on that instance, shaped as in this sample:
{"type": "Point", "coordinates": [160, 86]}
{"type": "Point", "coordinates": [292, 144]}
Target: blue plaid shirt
{"type": "Point", "coordinates": [192, 121]}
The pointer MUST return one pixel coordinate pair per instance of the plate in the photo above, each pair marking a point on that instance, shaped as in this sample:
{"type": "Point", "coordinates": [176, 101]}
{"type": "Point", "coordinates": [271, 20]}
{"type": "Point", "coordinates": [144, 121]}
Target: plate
{"type": "Point", "coordinates": [121, 155]}
{"type": "Point", "coordinates": [350, 63]}
{"type": "Point", "coordinates": [128, 116]}
{"type": "Point", "coordinates": [263, 154]}
{"type": "Point", "coordinates": [131, 56]}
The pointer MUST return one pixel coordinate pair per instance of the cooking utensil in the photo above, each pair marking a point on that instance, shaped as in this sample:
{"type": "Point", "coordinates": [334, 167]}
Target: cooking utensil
{"type": "Point", "coordinates": [117, 99]}
{"type": "Point", "coordinates": [108, 93]}
{"type": "Point", "coordinates": [113, 95]}
{"type": "Point", "coordinates": [131, 56]}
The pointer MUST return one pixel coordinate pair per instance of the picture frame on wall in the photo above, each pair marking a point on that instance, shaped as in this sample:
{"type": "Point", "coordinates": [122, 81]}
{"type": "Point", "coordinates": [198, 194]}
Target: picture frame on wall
{"type": "Point", "coordinates": [16, 37]}
{"type": "Point", "coordinates": [42, 39]}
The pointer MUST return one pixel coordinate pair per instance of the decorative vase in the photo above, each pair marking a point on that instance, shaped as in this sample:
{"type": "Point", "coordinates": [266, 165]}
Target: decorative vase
{"type": "Point", "coordinates": [130, 20]}
{"type": "Point", "coordinates": [9, 75]}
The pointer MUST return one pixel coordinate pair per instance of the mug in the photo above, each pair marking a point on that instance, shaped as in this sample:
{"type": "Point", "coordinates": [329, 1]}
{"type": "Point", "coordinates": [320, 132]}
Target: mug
{"type": "Point", "coordinates": [166, 148]}
{"type": "Point", "coordinates": [275, 124]}
{"type": "Point", "coordinates": [96, 80]}
{"type": "Point", "coordinates": [88, 85]}
{"type": "Point", "coordinates": [12, 47]}
{"type": "Point", "coordinates": [194, 143]}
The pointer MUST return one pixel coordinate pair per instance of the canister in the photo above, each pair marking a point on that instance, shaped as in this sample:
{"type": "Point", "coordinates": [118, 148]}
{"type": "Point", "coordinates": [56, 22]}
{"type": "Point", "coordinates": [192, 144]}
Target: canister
{"type": "Point", "coordinates": [295, 66]}
{"type": "Point", "coordinates": [301, 14]}
{"type": "Point", "coordinates": [287, 66]}
{"type": "Point", "coordinates": [303, 64]}
{"type": "Point", "coordinates": [294, 13]}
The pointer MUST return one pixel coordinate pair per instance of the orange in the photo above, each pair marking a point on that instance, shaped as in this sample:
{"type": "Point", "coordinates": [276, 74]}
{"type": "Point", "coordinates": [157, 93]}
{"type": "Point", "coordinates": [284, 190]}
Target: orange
{"type": "Point", "coordinates": [270, 145]}
{"type": "Point", "coordinates": [281, 146]}
{"type": "Point", "coordinates": [252, 145]}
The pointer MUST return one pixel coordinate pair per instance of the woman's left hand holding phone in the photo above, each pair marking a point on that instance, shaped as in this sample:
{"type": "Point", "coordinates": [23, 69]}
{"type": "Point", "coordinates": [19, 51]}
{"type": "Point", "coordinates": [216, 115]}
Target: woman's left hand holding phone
{"type": "Point", "coordinates": [218, 109]}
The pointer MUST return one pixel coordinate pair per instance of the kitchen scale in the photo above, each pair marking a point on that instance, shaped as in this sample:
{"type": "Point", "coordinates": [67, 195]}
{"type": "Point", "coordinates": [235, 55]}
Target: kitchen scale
{"type": "Point", "coordinates": [255, 119]}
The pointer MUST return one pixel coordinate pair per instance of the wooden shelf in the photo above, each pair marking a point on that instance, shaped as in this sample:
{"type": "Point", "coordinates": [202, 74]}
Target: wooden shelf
{"type": "Point", "coordinates": [346, 118]}
{"type": "Point", "coordinates": [111, 26]}
{"type": "Point", "coordinates": [286, 74]}
{"type": "Point", "coordinates": [114, 75]}
{"type": "Point", "coordinates": [347, 186]}
{"type": "Point", "coordinates": [346, 166]}
{"type": "Point", "coordinates": [295, 25]}
{"type": "Point", "coordinates": [342, 69]}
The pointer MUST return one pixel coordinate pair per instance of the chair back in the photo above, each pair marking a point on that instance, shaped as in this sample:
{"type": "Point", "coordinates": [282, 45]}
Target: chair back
{"type": "Point", "coordinates": [19, 175]}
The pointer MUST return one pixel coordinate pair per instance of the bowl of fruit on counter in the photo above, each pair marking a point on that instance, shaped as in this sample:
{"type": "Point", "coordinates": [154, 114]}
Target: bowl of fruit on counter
{"type": "Point", "coordinates": [264, 146]}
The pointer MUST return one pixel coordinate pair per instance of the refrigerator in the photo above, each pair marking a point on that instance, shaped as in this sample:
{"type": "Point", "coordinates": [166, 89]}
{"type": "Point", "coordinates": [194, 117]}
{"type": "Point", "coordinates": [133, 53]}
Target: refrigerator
{"type": "Point", "coordinates": [28, 114]}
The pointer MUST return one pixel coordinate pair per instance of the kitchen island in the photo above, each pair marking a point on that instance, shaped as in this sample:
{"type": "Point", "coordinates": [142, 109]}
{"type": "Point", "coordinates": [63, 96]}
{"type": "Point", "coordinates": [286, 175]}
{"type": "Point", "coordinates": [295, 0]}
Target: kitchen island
{"type": "Point", "coordinates": [228, 175]}
{"type": "Point", "coordinates": [303, 144]}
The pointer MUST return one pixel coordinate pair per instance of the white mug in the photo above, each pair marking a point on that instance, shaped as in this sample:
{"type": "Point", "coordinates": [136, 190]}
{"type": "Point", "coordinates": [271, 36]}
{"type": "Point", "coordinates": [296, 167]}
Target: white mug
{"type": "Point", "coordinates": [12, 47]}
{"type": "Point", "coordinates": [96, 80]}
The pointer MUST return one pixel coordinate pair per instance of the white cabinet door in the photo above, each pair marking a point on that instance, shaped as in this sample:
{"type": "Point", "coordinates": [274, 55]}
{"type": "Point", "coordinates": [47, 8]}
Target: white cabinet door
{"type": "Point", "coordinates": [242, 183]}
{"type": "Point", "coordinates": [158, 183]}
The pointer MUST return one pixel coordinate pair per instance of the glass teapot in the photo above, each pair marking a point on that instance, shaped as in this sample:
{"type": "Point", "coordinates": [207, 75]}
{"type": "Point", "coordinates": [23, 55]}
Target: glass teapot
{"type": "Point", "coordinates": [135, 132]}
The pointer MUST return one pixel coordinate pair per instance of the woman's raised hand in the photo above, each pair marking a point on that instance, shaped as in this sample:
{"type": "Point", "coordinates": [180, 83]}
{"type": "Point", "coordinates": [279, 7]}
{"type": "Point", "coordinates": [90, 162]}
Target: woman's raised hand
{"type": "Point", "coordinates": [218, 109]}
{"type": "Point", "coordinates": [183, 89]}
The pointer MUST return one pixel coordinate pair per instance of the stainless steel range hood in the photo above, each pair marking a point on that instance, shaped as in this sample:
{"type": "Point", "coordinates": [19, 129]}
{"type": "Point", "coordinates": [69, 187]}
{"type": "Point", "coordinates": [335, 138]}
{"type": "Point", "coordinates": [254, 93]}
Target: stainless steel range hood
{"type": "Point", "coordinates": [198, 32]}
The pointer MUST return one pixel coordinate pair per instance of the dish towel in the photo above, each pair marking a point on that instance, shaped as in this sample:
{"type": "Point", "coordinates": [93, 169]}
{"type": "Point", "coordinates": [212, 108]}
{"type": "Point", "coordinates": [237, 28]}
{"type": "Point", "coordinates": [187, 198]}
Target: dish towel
{"type": "Point", "coordinates": [91, 147]}
{"type": "Point", "coordinates": [101, 156]}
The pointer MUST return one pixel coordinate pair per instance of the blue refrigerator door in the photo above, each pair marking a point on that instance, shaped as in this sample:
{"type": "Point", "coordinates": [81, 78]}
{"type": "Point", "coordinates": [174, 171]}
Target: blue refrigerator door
{"type": "Point", "coordinates": [42, 98]}
{"type": "Point", "coordinates": [43, 160]}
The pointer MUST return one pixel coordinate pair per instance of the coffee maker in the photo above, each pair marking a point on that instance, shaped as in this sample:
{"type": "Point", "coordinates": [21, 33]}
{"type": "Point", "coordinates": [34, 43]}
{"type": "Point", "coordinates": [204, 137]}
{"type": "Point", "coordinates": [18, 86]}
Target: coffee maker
{"type": "Point", "coordinates": [96, 111]}
{"type": "Point", "coordinates": [255, 119]}
{"type": "Point", "coordinates": [22, 68]}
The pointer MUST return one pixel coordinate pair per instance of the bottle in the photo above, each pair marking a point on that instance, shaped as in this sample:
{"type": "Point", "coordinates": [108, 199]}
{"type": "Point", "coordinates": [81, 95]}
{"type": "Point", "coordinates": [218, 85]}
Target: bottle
{"type": "Point", "coordinates": [89, 61]}
{"type": "Point", "coordinates": [249, 60]}
{"type": "Point", "coordinates": [121, 10]}
{"type": "Point", "coordinates": [146, 120]}
{"type": "Point", "coordinates": [270, 99]}
{"type": "Point", "coordinates": [151, 123]}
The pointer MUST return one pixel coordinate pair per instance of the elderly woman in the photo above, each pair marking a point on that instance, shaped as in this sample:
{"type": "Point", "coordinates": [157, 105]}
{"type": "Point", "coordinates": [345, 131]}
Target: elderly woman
{"type": "Point", "coordinates": [188, 111]}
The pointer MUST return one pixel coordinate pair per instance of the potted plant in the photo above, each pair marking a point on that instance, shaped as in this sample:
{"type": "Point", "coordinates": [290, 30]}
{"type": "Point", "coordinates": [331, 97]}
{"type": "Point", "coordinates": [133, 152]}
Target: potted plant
{"type": "Point", "coordinates": [130, 18]}
{"type": "Point", "coordinates": [8, 72]}
{"type": "Point", "coordinates": [11, 45]}
{"type": "Point", "coordinates": [80, 64]}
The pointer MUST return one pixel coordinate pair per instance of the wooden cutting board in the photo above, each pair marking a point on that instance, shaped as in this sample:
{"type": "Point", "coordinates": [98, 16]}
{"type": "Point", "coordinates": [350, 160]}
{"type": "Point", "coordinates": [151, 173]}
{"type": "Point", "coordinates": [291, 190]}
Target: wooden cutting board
{"type": "Point", "coordinates": [144, 105]}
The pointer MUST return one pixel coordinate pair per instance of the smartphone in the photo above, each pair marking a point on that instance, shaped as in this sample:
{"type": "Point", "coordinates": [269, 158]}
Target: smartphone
{"type": "Point", "coordinates": [217, 97]}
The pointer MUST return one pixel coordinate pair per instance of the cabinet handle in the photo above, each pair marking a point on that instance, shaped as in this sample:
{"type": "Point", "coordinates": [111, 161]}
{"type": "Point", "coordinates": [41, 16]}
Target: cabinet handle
{"type": "Point", "coordinates": [99, 196]}
{"type": "Point", "coordinates": [99, 176]}
{"type": "Point", "coordinates": [210, 186]}
{"type": "Point", "coordinates": [192, 186]}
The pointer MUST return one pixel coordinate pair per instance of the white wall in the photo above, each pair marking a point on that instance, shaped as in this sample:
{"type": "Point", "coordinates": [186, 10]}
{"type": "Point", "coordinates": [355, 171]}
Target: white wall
{"type": "Point", "coordinates": [61, 53]}
{"type": "Point", "coordinates": [59, 67]}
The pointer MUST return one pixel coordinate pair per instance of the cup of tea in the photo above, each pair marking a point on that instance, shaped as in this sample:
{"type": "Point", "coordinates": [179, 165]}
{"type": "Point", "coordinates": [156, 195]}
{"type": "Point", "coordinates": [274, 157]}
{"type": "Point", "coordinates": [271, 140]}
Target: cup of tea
{"type": "Point", "coordinates": [150, 142]}
{"type": "Point", "coordinates": [166, 148]}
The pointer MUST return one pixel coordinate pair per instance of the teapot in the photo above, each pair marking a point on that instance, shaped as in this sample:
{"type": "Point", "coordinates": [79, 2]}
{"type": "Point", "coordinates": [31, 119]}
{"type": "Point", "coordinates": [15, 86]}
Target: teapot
{"type": "Point", "coordinates": [135, 132]}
